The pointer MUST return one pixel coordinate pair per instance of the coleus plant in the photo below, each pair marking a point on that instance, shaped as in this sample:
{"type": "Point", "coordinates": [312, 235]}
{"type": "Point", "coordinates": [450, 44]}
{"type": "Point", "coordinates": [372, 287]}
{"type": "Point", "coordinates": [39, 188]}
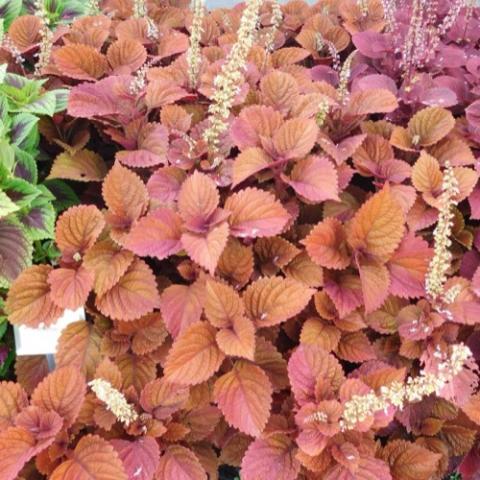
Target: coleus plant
{"type": "Point", "coordinates": [277, 253]}
{"type": "Point", "coordinates": [27, 207]}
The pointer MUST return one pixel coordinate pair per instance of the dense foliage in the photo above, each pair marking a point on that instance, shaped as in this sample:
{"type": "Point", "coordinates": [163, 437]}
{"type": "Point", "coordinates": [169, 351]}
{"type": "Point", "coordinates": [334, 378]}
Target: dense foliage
{"type": "Point", "coordinates": [276, 247]}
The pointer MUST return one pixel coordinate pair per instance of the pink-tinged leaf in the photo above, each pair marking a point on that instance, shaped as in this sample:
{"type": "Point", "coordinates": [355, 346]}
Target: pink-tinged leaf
{"type": "Point", "coordinates": [29, 301]}
{"type": "Point", "coordinates": [372, 44]}
{"type": "Point", "coordinates": [206, 248]}
{"type": "Point", "coordinates": [345, 291]}
{"type": "Point", "coordinates": [162, 398]}
{"type": "Point", "coordinates": [126, 198]}
{"type": "Point", "coordinates": [69, 288]}
{"type": "Point", "coordinates": [375, 100]}
{"type": "Point", "coordinates": [343, 150]}
{"type": "Point", "coordinates": [180, 463]}
{"type": "Point", "coordinates": [295, 138]}
{"type": "Point", "coordinates": [198, 200]}
{"type": "Point", "coordinates": [140, 458]}
{"type": "Point", "coordinates": [408, 267]}
{"type": "Point", "coordinates": [81, 62]}
{"type": "Point", "coordinates": [306, 365]}
{"type": "Point", "coordinates": [62, 391]}
{"type": "Point", "coordinates": [250, 161]}
{"type": "Point", "coordinates": [272, 300]}
{"type": "Point", "coordinates": [439, 97]}
{"type": "Point", "coordinates": [155, 235]}
{"type": "Point", "coordinates": [326, 244]}
{"type": "Point", "coordinates": [93, 458]}
{"type": "Point", "coordinates": [42, 424]}
{"type": "Point", "coordinates": [102, 98]}
{"type": "Point", "coordinates": [13, 399]}
{"type": "Point", "coordinates": [255, 213]}
{"type": "Point", "coordinates": [78, 228]}
{"type": "Point", "coordinates": [17, 446]}
{"type": "Point", "coordinates": [273, 456]}
{"type": "Point", "coordinates": [474, 202]}
{"type": "Point", "coordinates": [253, 123]}
{"type": "Point", "coordinates": [355, 347]}
{"type": "Point", "coordinates": [244, 395]}
{"type": "Point", "coordinates": [239, 339]}
{"type": "Point", "coordinates": [375, 281]}
{"type": "Point", "coordinates": [108, 262]}
{"type": "Point", "coordinates": [314, 435]}
{"type": "Point", "coordinates": [375, 81]}
{"type": "Point", "coordinates": [314, 178]}
{"type": "Point", "coordinates": [163, 92]}
{"type": "Point", "coordinates": [151, 148]}
{"type": "Point", "coordinates": [194, 356]}
{"type": "Point", "coordinates": [181, 306]}
{"type": "Point", "coordinates": [164, 185]}
{"type": "Point", "coordinates": [368, 468]}
{"type": "Point", "coordinates": [126, 55]}
{"type": "Point", "coordinates": [134, 295]}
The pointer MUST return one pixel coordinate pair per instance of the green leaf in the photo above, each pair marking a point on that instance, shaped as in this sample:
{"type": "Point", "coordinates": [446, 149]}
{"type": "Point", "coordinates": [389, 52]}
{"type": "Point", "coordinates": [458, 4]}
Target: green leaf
{"type": "Point", "coordinates": [22, 191]}
{"type": "Point", "coordinates": [23, 126]}
{"type": "Point", "coordinates": [4, 117]}
{"type": "Point", "coordinates": [3, 326]}
{"type": "Point", "coordinates": [15, 250]}
{"type": "Point", "coordinates": [5, 368]}
{"type": "Point", "coordinates": [6, 205]}
{"type": "Point", "coordinates": [46, 197]}
{"type": "Point", "coordinates": [3, 67]}
{"type": "Point", "coordinates": [43, 105]}
{"type": "Point", "coordinates": [25, 165]}
{"type": "Point", "coordinates": [39, 221]}
{"type": "Point", "coordinates": [46, 252]}
{"type": "Point", "coordinates": [65, 196]}
{"type": "Point", "coordinates": [20, 90]}
{"type": "Point", "coordinates": [7, 159]}
{"type": "Point", "coordinates": [61, 98]}
{"type": "Point", "coordinates": [9, 10]}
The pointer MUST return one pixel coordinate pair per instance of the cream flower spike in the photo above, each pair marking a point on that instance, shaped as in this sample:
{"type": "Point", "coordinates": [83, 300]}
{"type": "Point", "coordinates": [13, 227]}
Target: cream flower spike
{"type": "Point", "coordinates": [398, 394]}
{"type": "Point", "coordinates": [442, 257]}
{"type": "Point", "coordinates": [194, 52]}
{"type": "Point", "coordinates": [227, 82]}
{"type": "Point", "coordinates": [114, 401]}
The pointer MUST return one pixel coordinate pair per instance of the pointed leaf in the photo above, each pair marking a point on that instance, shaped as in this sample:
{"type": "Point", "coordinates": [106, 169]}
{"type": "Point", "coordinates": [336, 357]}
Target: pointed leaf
{"type": "Point", "coordinates": [244, 395]}
{"type": "Point", "coordinates": [222, 304]}
{"type": "Point", "coordinates": [63, 392]}
{"type": "Point", "coordinates": [314, 178]}
{"type": "Point", "coordinates": [180, 463]}
{"type": "Point", "coordinates": [78, 229]}
{"type": "Point", "coordinates": [134, 295]}
{"type": "Point", "coordinates": [239, 340]}
{"type": "Point", "coordinates": [378, 225]}
{"type": "Point", "coordinates": [327, 244]}
{"type": "Point", "coordinates": [255, 213]}
{"type": "Point", "coordinates": [271, 457]}
{"type": "Point", "coordinates": [194, 356]}
{"type": "Point", "coordinates": [295, 138]}
{"type": "Point", "coordinates": [181, 306]}
{"type": "Point", "coordinates": [155, 235]}
{"type": "Point", "coordinates": [29, 302]}
{"type": "Point", "coordinates": [93, 459]}
{"type": "Point", "coordinates": [69, 288]}
{"type": "Point", "coordinates": [270, 301]}
{"type": "Point", "coordinates": [80, 62]}
{"type": "Point", "coordinates": [108, 262]}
